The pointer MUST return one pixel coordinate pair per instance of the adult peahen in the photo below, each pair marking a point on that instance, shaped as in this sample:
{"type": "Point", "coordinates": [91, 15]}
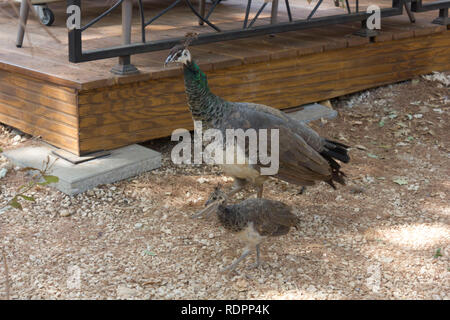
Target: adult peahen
{"type": "Point", "coordinates": [304, 156]}
{"type": "Point", "coordinates": [252, 220]}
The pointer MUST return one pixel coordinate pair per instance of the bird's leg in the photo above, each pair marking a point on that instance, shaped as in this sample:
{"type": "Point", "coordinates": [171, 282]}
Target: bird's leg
{"type": "Point", "coordinates": [258, 260]}
{"type": "Point", "coordinates": [234, 190]}
{"type": "Point", "coordinates": [302, 190]}
{"type": "Point", "coordinates": [234, 264]}
{"type": "Point", "coordinates": [260, 191]}
{"type": "Point", "coordinates": [238, 185]}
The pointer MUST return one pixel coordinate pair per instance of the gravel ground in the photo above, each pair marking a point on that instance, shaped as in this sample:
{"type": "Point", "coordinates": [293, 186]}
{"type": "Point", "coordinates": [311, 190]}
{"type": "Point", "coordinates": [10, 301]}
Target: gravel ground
{"type": "Point", "coordinates": [386, 235]}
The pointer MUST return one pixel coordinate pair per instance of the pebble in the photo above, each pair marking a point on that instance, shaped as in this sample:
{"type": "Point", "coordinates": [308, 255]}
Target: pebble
{"type": "Point", "coordinates": [64, 213]}
{"type": "Point", "coordinates": [138, 225]}
{"type": "Point", "coordinates": [241, 285]}
{"type": "Point", "coordinates": [3, 172]}
{"type": "Point", "coordinates": [202, 180]}
{"type": "Point", "coordinates": [124, 292]}
{"type": "Point", "coordinates": [386, 259]}
{"type": "Point", "coordinates": [311, 288]}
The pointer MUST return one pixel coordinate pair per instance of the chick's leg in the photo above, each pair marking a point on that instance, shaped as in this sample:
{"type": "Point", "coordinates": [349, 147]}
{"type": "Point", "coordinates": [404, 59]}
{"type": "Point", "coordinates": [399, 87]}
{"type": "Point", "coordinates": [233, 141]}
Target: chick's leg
{"type": "Point", "coordinates": [238, 185]}
{"type": "Point", "coordinates": [260, 191]}
{"type": "Point", "coordinates": [234, 264]}
{"type": "Point", "coordinates": [258, 260]}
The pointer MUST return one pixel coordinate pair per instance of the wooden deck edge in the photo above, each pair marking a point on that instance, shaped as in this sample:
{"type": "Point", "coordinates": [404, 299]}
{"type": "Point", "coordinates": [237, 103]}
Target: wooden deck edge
{"type": "Point", "coordinates": [38, 75]}
{"type": "Point", "coordinates": [112, 80]}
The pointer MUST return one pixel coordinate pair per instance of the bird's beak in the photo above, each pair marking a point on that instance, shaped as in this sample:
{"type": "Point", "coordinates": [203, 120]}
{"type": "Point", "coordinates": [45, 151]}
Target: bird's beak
{"type": "Point", "coordinates": [210, 208]}
{"type": "Point", "coordinates": [168, 60]}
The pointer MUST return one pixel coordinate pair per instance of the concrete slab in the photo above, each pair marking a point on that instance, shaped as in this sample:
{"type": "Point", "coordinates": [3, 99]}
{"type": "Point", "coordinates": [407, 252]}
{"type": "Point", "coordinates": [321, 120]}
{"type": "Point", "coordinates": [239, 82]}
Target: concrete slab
{"type": "Point", "coordinates": [123, 163]}
{"type": "Point", "coordinates": [312, 112]}
{"type": "Point", "coordinates": [74, 159]}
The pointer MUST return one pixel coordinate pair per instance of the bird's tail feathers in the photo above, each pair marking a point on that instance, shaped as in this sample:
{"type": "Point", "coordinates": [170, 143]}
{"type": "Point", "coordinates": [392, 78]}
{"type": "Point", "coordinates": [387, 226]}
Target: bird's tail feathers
{"type": "Point", "coordinates": [335, 151]}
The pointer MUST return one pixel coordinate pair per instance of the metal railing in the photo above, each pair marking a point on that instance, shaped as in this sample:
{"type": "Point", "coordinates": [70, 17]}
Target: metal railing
{"type": "Point", "coordinates": [77, 54]}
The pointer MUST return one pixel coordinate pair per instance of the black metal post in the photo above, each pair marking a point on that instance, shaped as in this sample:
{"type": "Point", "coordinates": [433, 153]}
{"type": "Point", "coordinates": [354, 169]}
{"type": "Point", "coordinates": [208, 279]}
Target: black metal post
{"type": "Point", "coordinates": [247, 13]}
{"type": "Point", "coordinates": [443, 17]}
{"type": "Point", "coordinates": [124, 67]}
{"type": "Point", "coordinates": [369, 33]}
{"type": "Point", "coordinates": [141, 12]}
{"type": "Point", "coordinates": [214, 5]}
{"type": "Point", "coordinates": [365, 32]}
{"type": "Point", "coordinates": [257, 14]}
{"type": "Point", "coordinates": [288, 8]}
{"type": "Point", "coordinates": [314, 10]}
{"type": "Point", "coordinates": [75, 43]}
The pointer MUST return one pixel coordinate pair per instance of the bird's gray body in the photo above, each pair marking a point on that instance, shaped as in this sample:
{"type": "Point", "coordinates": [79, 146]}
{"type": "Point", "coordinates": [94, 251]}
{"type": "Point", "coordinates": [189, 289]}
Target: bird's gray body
{"type": "Point", "coordinates": [299, 145]}
{"type": "Point", "coordinates": [265, 218]}
{"type": "Point", "coordinates": [252, 220]}
{"type": "Point", "coordinates": [304, 156]}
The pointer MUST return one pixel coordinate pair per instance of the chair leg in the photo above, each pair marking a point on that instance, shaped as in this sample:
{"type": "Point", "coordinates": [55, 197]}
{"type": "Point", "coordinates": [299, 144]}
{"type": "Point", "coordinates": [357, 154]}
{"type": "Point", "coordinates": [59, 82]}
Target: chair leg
{"type": "Point", "coordinates": [201, 10]}
{"type": "Point", "coordinates": [24, 10]}
{"type": "Point", "coordinates": [411, 17]}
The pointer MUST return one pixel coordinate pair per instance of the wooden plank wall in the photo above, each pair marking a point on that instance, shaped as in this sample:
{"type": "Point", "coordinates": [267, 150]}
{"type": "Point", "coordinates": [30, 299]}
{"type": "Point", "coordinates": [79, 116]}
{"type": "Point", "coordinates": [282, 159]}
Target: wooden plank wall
{"type": "Point", "coordinates": [40, 108]}
{"type": "Point", "coordinates": [115, 116]}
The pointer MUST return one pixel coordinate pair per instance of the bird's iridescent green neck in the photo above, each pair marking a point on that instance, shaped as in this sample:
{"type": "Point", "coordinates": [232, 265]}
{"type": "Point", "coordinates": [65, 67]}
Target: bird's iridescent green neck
{"type": "Point", "coordinates": [195, 75]}
{"type": "Point", "coordinates": [204, 105]}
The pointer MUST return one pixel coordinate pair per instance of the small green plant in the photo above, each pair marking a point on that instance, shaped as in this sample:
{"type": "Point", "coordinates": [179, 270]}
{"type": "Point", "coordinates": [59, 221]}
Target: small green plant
{"type": "Point", "coordinates": [438, 253]}
{"type": "Point", "coordinates": [40, 178]}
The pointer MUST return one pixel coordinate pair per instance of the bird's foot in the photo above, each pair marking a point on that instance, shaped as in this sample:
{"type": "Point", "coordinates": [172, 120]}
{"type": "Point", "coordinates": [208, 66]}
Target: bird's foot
{"type": "Point", "coordinates": [227, 270]}
{"type": "Point", "coordinates": [256, 265]}
{"type": "Point", "coordinates": [302, 190]}
{"type": "Point", "coordinates": [198, 214]}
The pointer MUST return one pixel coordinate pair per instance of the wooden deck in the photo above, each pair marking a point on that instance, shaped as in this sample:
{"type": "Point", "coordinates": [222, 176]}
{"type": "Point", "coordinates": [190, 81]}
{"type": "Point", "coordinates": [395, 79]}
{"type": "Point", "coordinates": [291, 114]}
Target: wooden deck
{"type": "Point", "coordinates": [84, 108]}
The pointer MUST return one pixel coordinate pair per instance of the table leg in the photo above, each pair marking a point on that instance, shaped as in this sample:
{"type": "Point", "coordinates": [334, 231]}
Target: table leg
{"type": "Point", "coordinates": [274, 16]}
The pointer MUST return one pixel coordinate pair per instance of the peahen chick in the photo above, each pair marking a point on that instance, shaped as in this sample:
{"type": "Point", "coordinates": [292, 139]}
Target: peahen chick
{"type": "Point", "coordinates": [252, 220]}
{"type": "Point", "coordinates": [304, 156]}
